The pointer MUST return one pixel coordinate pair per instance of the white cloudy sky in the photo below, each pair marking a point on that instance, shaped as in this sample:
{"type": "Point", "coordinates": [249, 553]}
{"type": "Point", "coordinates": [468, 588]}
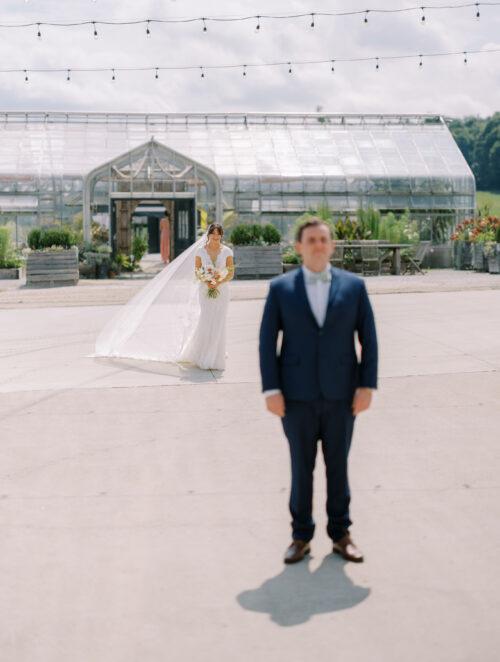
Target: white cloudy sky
{"type": "Point", "coordinates": [443, 85]}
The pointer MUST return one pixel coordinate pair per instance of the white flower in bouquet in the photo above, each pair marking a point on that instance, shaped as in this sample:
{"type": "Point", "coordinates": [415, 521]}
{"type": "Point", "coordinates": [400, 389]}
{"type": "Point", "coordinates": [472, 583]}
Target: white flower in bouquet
{"type": "Point", "coordinates": [212, 277]}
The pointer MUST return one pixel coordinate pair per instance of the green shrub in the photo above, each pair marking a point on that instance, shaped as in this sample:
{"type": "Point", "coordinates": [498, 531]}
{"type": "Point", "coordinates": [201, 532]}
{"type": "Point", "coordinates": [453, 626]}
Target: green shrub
{"type": "Point", "coordinates": [139, 247]}
{"type": "Point", "coordinates": [270, 234]}
{"type": "Point", "coordinates": [8, 258]}
{"type": "Point", "coordinates": [123, 262]}
{"type": "Point", "coordinates": [253, 234]}
{"type": "Point", "coordinates": [40, 238]}
{"type": "Point", "coordinates": [290, 256]}
{"type": "Point", "coordinates": [246, 234]}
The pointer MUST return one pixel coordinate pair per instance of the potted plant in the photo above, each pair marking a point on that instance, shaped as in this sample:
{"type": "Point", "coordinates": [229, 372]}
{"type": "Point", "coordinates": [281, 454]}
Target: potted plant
{"type": "Point", "coordinates": [492, 251]}
{"type": "Point", "coordinates": [482, 235]}
{"type": "Point", "coordinates": [257, 250]}
{"type": "Point", "coordinates": [10, 262]}
{"type": "Point", "coordinates": [290, 259]}
{"type": "Point", "coordinates": [53, 259]}
{"type": "Point", "coordinates": [462, 246]}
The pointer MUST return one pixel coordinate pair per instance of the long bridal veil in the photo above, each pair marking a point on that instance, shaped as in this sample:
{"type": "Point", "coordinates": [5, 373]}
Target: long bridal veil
{"type": "Point", "coordinates": [157, 322]}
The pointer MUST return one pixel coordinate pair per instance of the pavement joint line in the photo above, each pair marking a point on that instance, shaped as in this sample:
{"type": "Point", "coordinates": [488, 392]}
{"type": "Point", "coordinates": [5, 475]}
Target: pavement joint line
{"type": "Point", "coordinates": [220, 382]}
{"type": "Point", "coordinates": [284, 490]}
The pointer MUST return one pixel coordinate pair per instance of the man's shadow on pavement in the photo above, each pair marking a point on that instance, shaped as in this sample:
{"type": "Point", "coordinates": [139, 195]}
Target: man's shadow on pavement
{"type": "Point", "coordinates": [296, 594]}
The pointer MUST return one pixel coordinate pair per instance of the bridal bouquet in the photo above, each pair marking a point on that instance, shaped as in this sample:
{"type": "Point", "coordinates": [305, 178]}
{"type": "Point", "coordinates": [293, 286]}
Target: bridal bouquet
{"type": "Point", "coordinates": [211, 276]}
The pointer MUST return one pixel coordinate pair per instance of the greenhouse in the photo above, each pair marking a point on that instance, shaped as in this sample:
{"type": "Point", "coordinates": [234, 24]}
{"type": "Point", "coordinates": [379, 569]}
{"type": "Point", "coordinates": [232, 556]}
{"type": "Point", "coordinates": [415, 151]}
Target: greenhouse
{"type": "Point", "coordinates": [126, 169]}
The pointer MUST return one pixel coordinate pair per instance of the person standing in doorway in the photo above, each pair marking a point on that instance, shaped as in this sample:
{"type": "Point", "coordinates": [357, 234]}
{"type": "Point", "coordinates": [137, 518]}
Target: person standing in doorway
{"type": "Point", "coordinates": [165, 238]}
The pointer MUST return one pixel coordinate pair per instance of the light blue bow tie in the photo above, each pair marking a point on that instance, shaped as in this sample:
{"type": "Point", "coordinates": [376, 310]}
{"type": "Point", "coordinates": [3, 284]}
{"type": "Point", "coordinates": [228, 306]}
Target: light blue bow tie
{"type": "Point", "coordinates": [321, 277]}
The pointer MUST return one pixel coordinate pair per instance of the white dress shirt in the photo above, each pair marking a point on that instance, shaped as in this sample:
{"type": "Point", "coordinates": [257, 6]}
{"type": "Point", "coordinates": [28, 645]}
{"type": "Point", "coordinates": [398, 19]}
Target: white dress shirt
{"type": "Point", "coordinates": [317, 295]}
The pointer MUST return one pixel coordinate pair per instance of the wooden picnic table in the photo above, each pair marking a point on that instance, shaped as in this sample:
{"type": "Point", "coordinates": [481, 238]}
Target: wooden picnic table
{"type": "Point", "coordinates": [395, 249]}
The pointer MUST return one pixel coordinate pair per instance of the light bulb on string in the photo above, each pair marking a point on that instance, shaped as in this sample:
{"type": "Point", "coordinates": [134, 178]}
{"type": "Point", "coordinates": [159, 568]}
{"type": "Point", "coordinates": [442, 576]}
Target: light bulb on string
{"type": "Point", "coordinates": [95, 30]}
{"type": "Point", "coordinates": [422, 20]}
{"type": "Point", "coordinates": [366, 16]}
{"type": "Point", "coordinates": [312, 20]}
{"type": "Point", "coordinates": [377, 65]}
{"type": "Point", "coordinates": [157, 75]}
{"type": "Point", "coordinates": [244, 70]}
{"type": "Point", "coordinates": [68, 75]}
{"type": "Point", "coordinates": [148, 31]}
{"type": "Point", "coordinates": [290, 68]}
{"type": "Point", "coordinates": [421, 63]}
{"type": "Point", "coordinates": [202, 72]}
{"type": "Point", "coordinates": [39, 34]}
{"type": "Point", "coordinates": [478, 13]}
{"type": "Point", "coordinates": [465, 57]}
{"type": "Point", "coordinates": [25, 76]}
{"type": "Point", "coordinates": [113, 77]}
{"type": "Point", "coordinates": [257, 27]}
{"type": "Point", "coordinates": [204, 25]}
{"type": "Point", "coordinates": [333, 67]}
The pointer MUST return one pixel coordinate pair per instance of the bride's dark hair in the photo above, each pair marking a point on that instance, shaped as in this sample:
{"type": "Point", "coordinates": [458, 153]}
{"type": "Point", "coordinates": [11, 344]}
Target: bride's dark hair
{"type": "Point", "coordinates": [213, 227]}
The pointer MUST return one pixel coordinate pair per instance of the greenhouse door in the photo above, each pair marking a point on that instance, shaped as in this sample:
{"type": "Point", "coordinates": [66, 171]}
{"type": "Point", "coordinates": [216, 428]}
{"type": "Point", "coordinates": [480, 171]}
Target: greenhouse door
{"type": "Point", "coordinates": [184, 224]}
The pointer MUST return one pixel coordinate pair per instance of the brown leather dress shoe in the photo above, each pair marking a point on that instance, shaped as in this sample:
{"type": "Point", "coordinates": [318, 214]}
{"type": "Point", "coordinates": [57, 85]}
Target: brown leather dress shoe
{"type": "Point", "coordinates": [347, 549]}
{"type": "Point", "coordinates": [296, 552]}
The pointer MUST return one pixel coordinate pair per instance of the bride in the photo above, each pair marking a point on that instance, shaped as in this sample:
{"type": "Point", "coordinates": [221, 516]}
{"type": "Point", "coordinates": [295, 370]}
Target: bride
{"type": "Point", "coordinates": [206, 346]}
{"type": "Point", "coordinates": [180, 315]}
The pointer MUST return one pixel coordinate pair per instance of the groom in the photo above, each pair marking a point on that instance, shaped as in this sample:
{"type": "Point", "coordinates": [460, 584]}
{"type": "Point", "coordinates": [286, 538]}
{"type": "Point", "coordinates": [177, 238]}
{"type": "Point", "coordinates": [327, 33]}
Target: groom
{"type": "Point", "coordinates": [316, 384]}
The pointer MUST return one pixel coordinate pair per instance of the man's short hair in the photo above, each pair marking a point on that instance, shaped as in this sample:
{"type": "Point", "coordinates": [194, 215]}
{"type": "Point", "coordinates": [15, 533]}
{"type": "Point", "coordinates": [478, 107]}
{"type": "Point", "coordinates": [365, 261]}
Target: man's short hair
{"type": "Point", "coordinates": [312, 222]}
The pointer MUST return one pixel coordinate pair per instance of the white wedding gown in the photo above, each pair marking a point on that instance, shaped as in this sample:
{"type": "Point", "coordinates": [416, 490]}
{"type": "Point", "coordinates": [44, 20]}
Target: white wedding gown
{"type": "Point", "coordinates": [206, 346]}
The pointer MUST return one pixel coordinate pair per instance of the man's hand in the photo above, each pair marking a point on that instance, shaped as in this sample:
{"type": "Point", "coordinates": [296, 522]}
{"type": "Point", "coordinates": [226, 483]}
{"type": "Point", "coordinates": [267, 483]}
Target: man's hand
{"type": "Point", "coordinates": [362, 400]}
{"type": "Point", "coordinates": [276, 404]}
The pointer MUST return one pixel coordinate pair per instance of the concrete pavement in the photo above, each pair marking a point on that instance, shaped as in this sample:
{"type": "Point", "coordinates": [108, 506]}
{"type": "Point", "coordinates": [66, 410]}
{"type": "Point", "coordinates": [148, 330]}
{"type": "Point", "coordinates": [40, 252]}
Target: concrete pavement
{"type": "Point", "coordinates": [143, 508]}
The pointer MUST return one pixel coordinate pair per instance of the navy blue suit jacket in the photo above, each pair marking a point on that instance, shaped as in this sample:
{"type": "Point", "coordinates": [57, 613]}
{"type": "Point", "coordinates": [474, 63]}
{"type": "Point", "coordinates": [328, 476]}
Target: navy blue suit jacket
{"type": "Point", "coordinates": [317, 361]}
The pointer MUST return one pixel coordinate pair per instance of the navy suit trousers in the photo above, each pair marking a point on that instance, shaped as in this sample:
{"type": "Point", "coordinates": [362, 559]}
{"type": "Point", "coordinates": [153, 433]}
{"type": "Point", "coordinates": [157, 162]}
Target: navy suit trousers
{"type": "Point", "coordinates": [306, 423]}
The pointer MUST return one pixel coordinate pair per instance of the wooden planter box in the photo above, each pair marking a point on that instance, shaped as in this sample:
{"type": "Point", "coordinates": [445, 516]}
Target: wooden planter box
{"type": "Point", "coordinates": [478, 257]}
{"type": "Point", "coordinates": [494, 259]}
{"type": "Point", "coordinates": [52, 268]}
{"type": "Point", "coordinates": [257, 261]}
{"type": "Point", "coordinates": [462, 255]}
{"type": "Point", "coordinates": [287, 266]}
{"type": "Point", "coordinates": [13, 273]}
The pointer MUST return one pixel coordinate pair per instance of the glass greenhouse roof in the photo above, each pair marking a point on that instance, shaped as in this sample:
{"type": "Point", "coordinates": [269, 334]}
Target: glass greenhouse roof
{"type": "Point", "coordinates": [48, 144]}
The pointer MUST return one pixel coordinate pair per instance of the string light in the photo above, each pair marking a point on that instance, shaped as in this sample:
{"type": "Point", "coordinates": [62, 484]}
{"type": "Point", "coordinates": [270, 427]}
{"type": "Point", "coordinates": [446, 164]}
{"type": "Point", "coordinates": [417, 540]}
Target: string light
{"type": "Point", "coordinates": [113, 77]}
{"type": "Point", "coordinates": [203, 68]}
{"type": "Point", "coordinates": [333, 66]}
{"type": "Point", "coordinates": [148, 31]}
{"type": "Point", "coordinates": [157, 75]}
{"type": "Point", "coordinates": [275, 17]}
{"type": "Point", "coordinates": [25, 76]}
{"type": "Point", "coordinates": [421, 63]}
{"type": "Point", "coordinates": [95, 30]}
{"type": "Point", "coordinates": [68, 76]}
{"type": "Point", "coordinates": [244, 70]}
{"type": "Point", "coordinates": [39, 34]}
